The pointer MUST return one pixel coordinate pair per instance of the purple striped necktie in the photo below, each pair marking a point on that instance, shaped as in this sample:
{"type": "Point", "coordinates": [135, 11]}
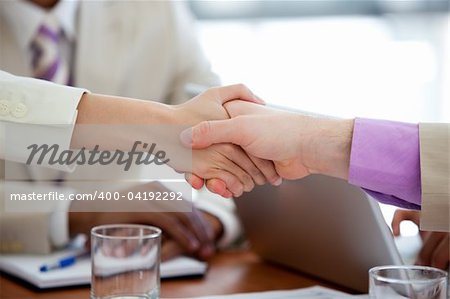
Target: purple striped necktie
{"type": "Point", "coordinates": [47, 61]}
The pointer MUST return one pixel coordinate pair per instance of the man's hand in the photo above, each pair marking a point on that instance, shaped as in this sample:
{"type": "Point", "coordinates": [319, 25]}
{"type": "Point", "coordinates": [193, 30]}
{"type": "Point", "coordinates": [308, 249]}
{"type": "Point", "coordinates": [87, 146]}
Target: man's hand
{"type": "Point", "coordinates": [189, 232]}
{"type": "Point", "coordinates": [192, 233]}
{"type": "Point", "coordinates": [171, 248]}
{"type": "Point", "coordinates": [236, 170]}
{"type": "Point", "coordinates": [435, 249]}
{"type": "Point", "coordinates": [298, 145]}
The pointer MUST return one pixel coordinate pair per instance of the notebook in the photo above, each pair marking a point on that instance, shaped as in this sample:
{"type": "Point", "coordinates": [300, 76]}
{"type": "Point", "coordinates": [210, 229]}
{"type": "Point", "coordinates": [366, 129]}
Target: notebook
{"type": "Point", "coordinates": [26, 267]}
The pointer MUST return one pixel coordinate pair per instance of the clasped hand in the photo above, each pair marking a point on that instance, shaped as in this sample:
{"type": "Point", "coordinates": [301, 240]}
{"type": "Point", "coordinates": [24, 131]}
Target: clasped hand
{"type": "Point", "coordinates": [250, 135]}
{"type": "Point", "coordinates": [225, 168]}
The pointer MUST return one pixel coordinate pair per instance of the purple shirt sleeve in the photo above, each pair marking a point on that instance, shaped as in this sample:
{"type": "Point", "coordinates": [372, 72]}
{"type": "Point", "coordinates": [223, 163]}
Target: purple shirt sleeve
{"type": "Point", "coordinates": [385, 161]}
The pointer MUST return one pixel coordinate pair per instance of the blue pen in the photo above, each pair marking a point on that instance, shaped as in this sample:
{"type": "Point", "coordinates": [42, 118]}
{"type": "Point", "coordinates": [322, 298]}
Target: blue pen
{"type": "Point", "coordinates": [64, 262]}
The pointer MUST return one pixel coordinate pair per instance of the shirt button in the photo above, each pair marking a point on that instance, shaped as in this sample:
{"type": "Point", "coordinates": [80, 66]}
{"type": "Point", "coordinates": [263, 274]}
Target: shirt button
{"type": "Point", "coordinates": [19, 110]}
{"type": "Point", "coordinates": [4, 107]}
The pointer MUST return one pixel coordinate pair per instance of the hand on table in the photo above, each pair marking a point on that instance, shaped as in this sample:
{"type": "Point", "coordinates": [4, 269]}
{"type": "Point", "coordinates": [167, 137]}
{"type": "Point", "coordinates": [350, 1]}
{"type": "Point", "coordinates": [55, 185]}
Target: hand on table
{"type": "Point", "coordinates": [191, 233]}
{"type": "Point", "coordinates": [171, 248]}
{"type": "Point", "coordinates": [435, 249]}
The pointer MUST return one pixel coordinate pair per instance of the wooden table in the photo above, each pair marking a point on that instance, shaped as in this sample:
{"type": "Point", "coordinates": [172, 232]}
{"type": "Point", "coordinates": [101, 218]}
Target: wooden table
{"type": "Point", "coordinates": [229, 272]}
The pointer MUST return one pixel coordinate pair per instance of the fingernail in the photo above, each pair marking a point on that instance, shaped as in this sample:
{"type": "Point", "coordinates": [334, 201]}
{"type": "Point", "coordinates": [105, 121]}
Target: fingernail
{"type": "Point", "coordinates": [195, 245]}
{"type": "Point", "coordinates": [186, 137]}
{"type": "Point", "coordinates": [278, 181]}
{"type": "Point", "coordinates": [227, 194]}
{"type": "Point", "coordinates": [260, 180]}
{"type": "Point", "coordinates": [261, 100]}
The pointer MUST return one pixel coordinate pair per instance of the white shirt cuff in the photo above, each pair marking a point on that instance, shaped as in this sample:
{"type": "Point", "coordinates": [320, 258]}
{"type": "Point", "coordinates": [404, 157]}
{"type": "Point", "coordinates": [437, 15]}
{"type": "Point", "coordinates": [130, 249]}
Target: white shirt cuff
{"type": "Point", "coordinates": [35, 112]}
{"type": "Point", "coordinates": [224, 210]}
{"type": "Point", "coordinates": [32, 101]}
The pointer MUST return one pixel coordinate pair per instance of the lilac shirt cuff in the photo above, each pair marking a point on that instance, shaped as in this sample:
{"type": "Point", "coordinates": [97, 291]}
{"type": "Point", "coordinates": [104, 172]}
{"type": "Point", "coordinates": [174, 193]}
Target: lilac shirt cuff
{"type": "Point", "coordinates": [385, 161]}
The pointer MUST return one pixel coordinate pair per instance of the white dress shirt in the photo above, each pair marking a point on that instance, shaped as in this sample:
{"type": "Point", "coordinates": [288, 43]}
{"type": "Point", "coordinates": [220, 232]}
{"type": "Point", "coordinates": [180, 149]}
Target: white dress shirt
{"type": "Point", "coordinates": [99, 36]}
{"type": "Point", "coordinates": [24, 18]}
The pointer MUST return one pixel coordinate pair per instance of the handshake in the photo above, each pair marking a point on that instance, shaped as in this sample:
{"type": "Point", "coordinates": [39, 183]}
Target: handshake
{"type": "Point", "coordinates": [238, 143]}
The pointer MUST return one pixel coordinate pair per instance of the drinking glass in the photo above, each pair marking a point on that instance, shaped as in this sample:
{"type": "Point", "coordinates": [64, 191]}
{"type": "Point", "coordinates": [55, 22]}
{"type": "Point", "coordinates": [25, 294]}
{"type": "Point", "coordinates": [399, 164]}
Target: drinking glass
{"type": "Point", "coordinates": [415, 282]}
{"type": "Point", "coordinates": [125, 261]}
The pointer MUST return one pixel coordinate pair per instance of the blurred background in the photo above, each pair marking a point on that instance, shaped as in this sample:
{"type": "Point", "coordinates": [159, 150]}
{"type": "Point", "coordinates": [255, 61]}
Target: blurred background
{"type": "Point", "coordinates": [369, 58]}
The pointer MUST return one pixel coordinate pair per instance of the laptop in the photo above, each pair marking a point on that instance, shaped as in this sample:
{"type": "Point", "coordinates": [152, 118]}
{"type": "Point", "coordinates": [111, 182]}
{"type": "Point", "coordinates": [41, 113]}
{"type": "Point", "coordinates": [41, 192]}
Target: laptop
{"type": "Point", "coordinates": [321, 226]}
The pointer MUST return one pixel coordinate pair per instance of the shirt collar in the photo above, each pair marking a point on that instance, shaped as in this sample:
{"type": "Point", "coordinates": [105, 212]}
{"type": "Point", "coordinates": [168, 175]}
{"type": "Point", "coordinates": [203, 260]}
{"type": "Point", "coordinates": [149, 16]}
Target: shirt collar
{"type": "Point", "coordinates": [24, 18]}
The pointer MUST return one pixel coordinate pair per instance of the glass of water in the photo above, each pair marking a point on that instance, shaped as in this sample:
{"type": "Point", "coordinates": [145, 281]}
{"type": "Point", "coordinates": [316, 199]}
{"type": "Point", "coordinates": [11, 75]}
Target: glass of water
{"type": "Point", "coordinates": [125, 261]}
{"type": "Point", "coordinates": [415, 282]}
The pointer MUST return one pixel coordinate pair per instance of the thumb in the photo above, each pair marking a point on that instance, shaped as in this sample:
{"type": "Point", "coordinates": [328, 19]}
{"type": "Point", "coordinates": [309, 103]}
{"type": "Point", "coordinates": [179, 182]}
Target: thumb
{"type": "Point", "coordinates": [398, 218]}
{"type": "Point", "coordinates": [237, 92]}
{"type": "Point", "coordinates": [396, 226]}
{"type": "Point", "coordinates": [207, 133]}
{"type": "Point", "coordinates": [403, 215]}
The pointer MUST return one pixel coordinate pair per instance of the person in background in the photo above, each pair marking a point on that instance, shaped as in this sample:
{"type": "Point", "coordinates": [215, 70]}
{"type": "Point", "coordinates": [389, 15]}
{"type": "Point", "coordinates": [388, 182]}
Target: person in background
{"type": "Point", "coordinates": [145, 50]}
{"type": "Point", "coordinates": [435, 249]}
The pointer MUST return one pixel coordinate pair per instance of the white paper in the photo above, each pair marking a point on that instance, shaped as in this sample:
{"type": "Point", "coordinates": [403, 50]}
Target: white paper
{"type": "Point", "coordinates": [316, 292]}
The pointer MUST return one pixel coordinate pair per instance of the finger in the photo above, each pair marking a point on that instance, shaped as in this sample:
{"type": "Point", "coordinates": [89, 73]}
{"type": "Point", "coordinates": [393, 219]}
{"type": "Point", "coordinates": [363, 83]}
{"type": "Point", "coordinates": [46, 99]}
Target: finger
{"type": "Point", "coordinates": [206, 226]}
{"type": "Point", "coordinates": [177, 231]}
{"type": "Point", "coordinates": [246, 182]}
{"type": "Point", "coordinates": [87, 245]}
{"type": "Point", "coordinates": [247, 171]}
{"type": "Point", "coordinates": [203, 231]}
{"type": "Point", "coordinates": [440, 257]}
{"type": "Point", "coordinates": [236, 92]}
{"type": "Point", "coordinates": [126, 248]}
{"type": "Point", "coordinates": [194, 222]}
{"type": "Point", "coordinates": [214, 185]}
{"type": "Point", "coordinates": [195, 181]}
{"type": "Point", "coordinates": [218, 187]}
{"type": "Point", "coordinates": [120, 248]}
{"type": "Point", "coordinates": [234, 185]}
{"type": "Point", "coordinates": [210, 132]}
{"type": "Point", "coordinates": [236, 108]}
{"type": "Point", "coordinates": [395, 224]}
{"type": "Point", "coordinates": [403, 215]}
{"type": "Point", "coordinates": [428, 248]}
{"type": "Point", "coordinates": [247, 163]}
{"type": "Point", "coordinates": [268, 170]}
{"type": "Point", "coordinates": [170, 249]}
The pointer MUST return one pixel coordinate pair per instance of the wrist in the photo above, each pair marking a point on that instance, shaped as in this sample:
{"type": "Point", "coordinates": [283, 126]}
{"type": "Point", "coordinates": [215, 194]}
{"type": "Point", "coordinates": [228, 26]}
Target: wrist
{"type": "Point", "coordinates": [216, 225]}
{"type": "Point", "coordinates": [130, 120]}
{"type": "Point", "coordinates": [180, 115]}
{"type": "Point", "coordinates": [187, 115]}
{"type": "Point", "coordinates": [101, 109]}
{"type": "Point", "coordinates": [328, 149]}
